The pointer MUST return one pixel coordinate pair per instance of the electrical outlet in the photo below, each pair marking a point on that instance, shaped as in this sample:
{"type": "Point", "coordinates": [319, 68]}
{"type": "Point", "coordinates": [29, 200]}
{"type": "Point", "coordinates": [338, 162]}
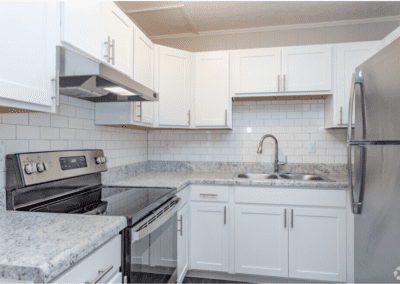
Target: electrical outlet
{"type": "Point", "coordinates": [2, 156]}
{"type": "Point", "coordinates": [312, 147]}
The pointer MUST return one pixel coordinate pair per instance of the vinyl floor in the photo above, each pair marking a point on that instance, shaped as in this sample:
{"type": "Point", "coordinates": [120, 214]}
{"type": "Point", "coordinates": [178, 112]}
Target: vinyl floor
{"type": "Point", "coordinates": [204, 280]}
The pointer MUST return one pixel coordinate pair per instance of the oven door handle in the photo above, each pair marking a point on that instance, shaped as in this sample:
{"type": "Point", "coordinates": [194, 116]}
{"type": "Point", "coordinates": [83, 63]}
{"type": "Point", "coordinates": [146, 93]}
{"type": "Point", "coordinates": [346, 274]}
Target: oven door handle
{"type": "Point", "coordinates": [145, 227]}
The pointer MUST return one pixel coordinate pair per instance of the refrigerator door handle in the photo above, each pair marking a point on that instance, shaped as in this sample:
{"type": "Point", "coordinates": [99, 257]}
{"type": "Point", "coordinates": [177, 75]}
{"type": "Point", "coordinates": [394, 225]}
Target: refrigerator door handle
{"type": "Point", "coordinates": [356, 205]}
{"type": "Point", "coordinates": [357, 79]}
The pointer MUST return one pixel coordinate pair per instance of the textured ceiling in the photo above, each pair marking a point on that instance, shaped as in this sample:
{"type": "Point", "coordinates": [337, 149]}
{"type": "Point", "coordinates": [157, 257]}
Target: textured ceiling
{"type": "Point", "coordinates": [165, 17]}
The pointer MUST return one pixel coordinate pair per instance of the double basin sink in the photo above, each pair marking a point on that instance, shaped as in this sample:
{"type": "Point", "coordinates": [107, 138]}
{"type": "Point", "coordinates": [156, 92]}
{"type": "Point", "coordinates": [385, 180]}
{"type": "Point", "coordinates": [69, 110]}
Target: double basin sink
{"type": "Point", "coordinates": [303, 177]}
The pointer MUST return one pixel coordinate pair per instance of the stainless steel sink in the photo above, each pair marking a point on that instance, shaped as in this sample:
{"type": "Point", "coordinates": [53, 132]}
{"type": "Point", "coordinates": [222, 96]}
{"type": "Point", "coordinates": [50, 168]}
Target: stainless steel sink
{"type": "Point", "coordinates": [258, 176]}
{"type": "Point", "coordinates": [305, 177]}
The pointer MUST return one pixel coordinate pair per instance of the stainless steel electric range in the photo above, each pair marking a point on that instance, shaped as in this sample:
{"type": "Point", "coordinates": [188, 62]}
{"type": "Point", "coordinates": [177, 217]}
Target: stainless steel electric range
{"type": "Point", "coordinates": [70, 182]}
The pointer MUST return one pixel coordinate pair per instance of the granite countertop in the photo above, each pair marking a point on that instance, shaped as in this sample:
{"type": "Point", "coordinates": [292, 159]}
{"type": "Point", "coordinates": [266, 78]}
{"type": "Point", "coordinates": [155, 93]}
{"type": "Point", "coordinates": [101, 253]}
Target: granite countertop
{"type": "Point", "coordinates": [39, 246]}
{"type": "Point", "coordinates": [182, 179]}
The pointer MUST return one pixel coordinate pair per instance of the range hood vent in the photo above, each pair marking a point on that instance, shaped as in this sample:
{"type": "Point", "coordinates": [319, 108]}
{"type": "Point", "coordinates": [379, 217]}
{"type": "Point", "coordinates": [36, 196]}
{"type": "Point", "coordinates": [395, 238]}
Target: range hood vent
{"type": "Point", "coordinates": [88, 79]}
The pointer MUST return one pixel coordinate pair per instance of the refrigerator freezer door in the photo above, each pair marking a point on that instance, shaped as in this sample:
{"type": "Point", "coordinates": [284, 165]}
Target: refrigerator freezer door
{"type": "Point", "coordinates": [377, 228]}
{"type": "Point", "coordinates": [379, 95]}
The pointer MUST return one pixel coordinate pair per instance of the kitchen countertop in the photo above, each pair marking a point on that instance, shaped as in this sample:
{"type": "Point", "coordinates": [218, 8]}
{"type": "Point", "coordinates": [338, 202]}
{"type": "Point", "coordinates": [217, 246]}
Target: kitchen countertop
{"type": "Point", "coordinates": [39, 246]}
{"type": "Point", "coordinates": [182, 179]}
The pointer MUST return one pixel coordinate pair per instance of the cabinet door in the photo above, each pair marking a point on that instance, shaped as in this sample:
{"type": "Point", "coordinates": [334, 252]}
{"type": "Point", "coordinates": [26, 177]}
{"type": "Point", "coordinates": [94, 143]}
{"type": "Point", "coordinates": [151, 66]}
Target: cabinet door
{"type": "Point", "coordinates": [317, 242]}
{"type": "Point", "coordinates": [119, 28]}
{"type": "Point", "coordinates": [169, 243]}
{"type": "Point", "coordinates": [349, 56]}
{"type": "Point", "coordinates": [257, 70]}
{"type": "Point", "coordinates": [209, 237]}
{"type": "Point", "coordinates": [117, 279]}
{"type": "Point", "coordinates": [81, 26]}
{"type": "Point", "coordinates": [143, 60]}
{"type": "Point", "coordinates": [28, 61]}
{"type": "Point", "coordinates": [261, 240]}
{"type": "Point", "coordinates": [140, 251]}
{"type": "Point", "coordinates": [212, 89]}
{"type": "Point", "coordinates": [144, 112]}
{"type": "Point", "coordinates": [183, 242]}
{"type": "Point", "coordinates": [307, 68]}
{"type": "Point", "coordinates": [174, 86]}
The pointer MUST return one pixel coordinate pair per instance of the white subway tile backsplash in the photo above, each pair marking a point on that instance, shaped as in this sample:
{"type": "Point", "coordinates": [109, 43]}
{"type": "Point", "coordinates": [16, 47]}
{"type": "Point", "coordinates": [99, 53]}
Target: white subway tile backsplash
{"type": "Point", "coordinates": [57, 145]}
{"type": "Point", "coordinates": [58, 121]}
{"type": "Point", "coordinates": [39, 119]}
{"type": "Point", "coordinates": [49, 133]}
{"type": "Point", "coordinates": [7, 131]}
{"type": "Point", "coordinates": [294, 123]}
{"type": "Point", "coordinates": [39, 145]}
{"type": "Point", "coordinates": [28, 132]}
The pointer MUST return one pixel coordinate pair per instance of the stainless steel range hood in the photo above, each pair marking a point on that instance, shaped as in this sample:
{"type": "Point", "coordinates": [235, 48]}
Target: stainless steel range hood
{"type": "Point", "coordinates": [92, 80]}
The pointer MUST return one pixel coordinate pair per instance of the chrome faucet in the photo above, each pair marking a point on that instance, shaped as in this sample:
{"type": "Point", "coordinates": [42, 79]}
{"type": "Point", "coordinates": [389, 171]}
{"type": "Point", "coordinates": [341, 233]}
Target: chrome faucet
{"type": "Point", "coordinates": [259, 151]}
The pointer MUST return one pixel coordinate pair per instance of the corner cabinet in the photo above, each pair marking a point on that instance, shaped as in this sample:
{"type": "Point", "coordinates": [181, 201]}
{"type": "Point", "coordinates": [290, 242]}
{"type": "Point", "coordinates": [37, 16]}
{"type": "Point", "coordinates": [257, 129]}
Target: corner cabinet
{"type": "Point", "coordinates": [28, 78]}
{"type": "Point", "coordinates": [209, 237]}
{"type": "Point", "coordinates": [348, 57]}
{"type": "Point", "coordinates": [212, 98]}
{"type": "Point", "coordinates": [174, 87]}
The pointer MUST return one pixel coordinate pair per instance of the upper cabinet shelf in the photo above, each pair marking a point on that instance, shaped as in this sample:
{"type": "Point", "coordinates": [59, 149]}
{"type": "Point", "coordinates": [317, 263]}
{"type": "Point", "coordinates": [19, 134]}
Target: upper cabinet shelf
{"type": "Point", "coordinates": [273, 71]}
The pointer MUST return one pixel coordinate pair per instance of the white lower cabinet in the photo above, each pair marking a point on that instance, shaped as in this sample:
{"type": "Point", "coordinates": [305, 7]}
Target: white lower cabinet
{"type": "Point", "coordinates": [106, 261]}
{"type": "Point", "coordinates": [261, 240]}
{"type": "Point", "coordinates": [209, 237]}
{"type": "Point", "coordinates": [183, 242]}
{"type": "Point", "coordinates": [317, 244]}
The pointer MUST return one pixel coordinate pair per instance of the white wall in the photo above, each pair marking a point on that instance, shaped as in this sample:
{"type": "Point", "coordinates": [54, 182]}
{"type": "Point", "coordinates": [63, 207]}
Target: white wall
{"type": "Point", "coordinates": [294, 123]}
{"type": "Point", "coordinates": [72, 128]}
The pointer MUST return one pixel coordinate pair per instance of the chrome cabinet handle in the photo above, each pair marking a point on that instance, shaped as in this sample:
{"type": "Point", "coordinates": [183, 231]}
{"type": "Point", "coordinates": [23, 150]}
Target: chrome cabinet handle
{"type": "Point", "coordinates": [138, 107]}
{"type": "Point", "coordinates": [113, 52]}
{"type": "Point", "coordinates": [107, 55]}
{"type": "Point", "coordinates": [284, 222]}
{"type": "Point", "coordinates": [291, 218]}
{"type": "Point", "coordinates": [226, 117]}
{"type": "Point", "coordinates": [284, 82]}
{"type": "Point", "coordinates": [208, 194]}
{"type": "Point", "coordinates": [224, 215]}
{"type": "Point", "coordinates": [102, 274]}
{"type": "Point", "coordinates": [125, 279]}
{"type": "Point", "coordinates": [180, 220]}
{"type": "Point", "coordinates": [278, 84]}
{"type": "Point", "coordinates": [57, 90]}
{"type": "Point", "coordinates": [341, 115]}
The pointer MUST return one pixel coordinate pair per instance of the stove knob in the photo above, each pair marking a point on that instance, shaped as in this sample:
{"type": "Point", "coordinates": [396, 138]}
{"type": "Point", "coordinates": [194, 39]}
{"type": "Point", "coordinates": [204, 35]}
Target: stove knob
{"type": "Point", "coordinates": [28, 169]}
{"type": "Point", "coordinates": [40, 167]}
{"type": "Point", "coordinates": [103, 160]}
{"type": "Point", "coordinates": [98, 160]}
{"type": "Point", "coordinates": [45, 166]}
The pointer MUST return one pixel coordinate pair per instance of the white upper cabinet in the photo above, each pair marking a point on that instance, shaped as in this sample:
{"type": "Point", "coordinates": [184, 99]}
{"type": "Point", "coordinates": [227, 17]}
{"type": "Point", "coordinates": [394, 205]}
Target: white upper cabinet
{"type": "Point", "coordinates": [307, 68]}
{"type": "Point", "coordinates": [143, 60]}
{"type": "Point", "coordinates": [174, 87]}
{"type": "Point", "coordinates": [117, 38]}
{"type": "Point", "coordinates": [28, 77]}
{"type": "Point", "coordinates": [209, 237]}
{"type": "Point", "coordinates": [81, 26]}
{"type": "Point", "coordinates": [143, 72]}
{"type": "Point", "coordinates": [261, 240]}
{"type": "Point", "coordinates": [317, 244]}
{"type": "Point", "coordinates": [348, 58]}
{"type": "Point", "coordinates": [212, 99]}
{"type": "Point", "coordinates": [257, 70]}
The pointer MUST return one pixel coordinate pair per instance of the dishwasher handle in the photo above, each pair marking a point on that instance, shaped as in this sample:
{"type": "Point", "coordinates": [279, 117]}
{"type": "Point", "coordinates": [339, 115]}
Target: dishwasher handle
{"type": "Point", "coordinates": [155, 220]}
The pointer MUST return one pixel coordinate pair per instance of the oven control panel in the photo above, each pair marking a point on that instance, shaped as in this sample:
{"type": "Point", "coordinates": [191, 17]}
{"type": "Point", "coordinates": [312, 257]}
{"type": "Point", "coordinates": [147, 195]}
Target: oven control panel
{"type": "Point", "coordinates": [48, 166]}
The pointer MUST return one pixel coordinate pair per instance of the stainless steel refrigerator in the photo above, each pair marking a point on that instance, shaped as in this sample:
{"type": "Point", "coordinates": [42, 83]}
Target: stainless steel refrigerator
{"type": "Point", "coordinates": [374, 166]}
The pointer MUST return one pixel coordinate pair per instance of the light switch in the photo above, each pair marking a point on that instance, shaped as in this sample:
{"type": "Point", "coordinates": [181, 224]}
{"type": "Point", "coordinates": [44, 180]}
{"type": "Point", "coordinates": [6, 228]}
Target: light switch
{"type": "Point", "coordinates": [312, 147]}
{"type": "Point", "coordinates": [2, 156]}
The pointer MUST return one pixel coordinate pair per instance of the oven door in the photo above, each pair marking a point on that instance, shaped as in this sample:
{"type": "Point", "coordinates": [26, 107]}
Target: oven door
{"type": "Point", "coordinates": [154, 246]}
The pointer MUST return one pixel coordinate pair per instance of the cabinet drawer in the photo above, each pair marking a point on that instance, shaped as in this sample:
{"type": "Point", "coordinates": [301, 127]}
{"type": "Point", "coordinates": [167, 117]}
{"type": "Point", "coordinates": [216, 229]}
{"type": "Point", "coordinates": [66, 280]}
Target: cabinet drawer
{"type": "Point", "coordinates": [184, 195]}
{"type": "Point", "coordinates": [209, 193]}
{"type": "Point", "coordinates": [291, 196]}
{"type": "Point", "coordinates": [87, 269]}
